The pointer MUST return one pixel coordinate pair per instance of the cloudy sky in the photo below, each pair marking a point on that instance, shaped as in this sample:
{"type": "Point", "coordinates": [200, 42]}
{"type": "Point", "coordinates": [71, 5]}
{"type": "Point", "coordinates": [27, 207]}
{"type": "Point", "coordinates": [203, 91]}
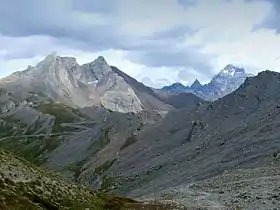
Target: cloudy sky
{"type": "Point", "coordinates": [156, 41]}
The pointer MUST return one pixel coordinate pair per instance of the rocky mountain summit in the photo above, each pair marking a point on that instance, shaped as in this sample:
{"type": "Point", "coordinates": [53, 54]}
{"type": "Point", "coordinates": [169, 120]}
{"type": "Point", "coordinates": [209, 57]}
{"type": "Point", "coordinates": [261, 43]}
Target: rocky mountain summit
{"type": "Point", "coordinates": [225, 82]}
{"type": "Point", "coordinates": [62, 79]}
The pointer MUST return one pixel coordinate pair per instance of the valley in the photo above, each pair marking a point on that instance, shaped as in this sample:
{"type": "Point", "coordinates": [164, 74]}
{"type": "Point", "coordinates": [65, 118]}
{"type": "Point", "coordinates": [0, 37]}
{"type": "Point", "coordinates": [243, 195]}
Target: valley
{"type": "Point", "coordinates": [107, 134]}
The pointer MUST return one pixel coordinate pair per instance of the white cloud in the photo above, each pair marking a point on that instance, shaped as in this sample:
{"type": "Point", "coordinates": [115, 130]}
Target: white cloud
{"type": "Point", "coordinates": [10, 66]}
{"type": "Point", "coordinates": [255, 51]}
{"type": "Point", "coordinates": [223, 30]}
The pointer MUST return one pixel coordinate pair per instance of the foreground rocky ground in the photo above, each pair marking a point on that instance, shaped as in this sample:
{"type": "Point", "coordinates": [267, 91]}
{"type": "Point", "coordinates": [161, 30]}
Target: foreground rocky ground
{"type": "Point", "coordinates": [24, 186]}
{"type": "Point", "coordinates": [241, 189]}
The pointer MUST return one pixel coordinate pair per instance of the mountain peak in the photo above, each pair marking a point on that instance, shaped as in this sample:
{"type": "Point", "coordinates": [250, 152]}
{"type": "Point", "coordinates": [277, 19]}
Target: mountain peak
{"type": "Point", "coordinates": [196, 83]}
{"type": "Point", "coordinates": [49, 60]}
{"type": "Point", "coordinates": [177, 85]}
{"type": "Point", "coordinates": [231, 69]}
{"type": "Point", "coordinates": [51, 57]}
{"type": "Point", "coordinates": [100, 60]}
{"type": "Point", "coordinates": [230, 66]}
{"type": "Point", "coordinates": [52, 54]}
{"type": "Point", "coordinates": [67, 60]}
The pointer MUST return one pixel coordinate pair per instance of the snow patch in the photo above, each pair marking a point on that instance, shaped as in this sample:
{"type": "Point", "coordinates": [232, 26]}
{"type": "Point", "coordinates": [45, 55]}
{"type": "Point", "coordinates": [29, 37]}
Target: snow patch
{"type": "Point", "coordinates": [93, 82]}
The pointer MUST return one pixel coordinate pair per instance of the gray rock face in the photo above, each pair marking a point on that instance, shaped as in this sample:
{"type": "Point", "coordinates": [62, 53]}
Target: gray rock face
{"type": "Point", "coordinates": [117, 94]}
{"type": "Point", "coordinates": [147, 96]}
{"type": "Point", "coordinates": [6, 104]}
{"type": "Point", "coordinates": [62, 79]}
{"type": "Point", "coordinates": [93, 71]}
{"type": "Point", "coordinates": [227, 81]}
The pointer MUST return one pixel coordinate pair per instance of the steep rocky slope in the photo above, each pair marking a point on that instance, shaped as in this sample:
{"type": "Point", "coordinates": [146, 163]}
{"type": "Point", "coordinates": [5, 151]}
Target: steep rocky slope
{"type": "Point", "coordinates": [24, 186]}
{"type": "Point", "coordinates": [66, 139]}
{"type": "Point", "coordinates": [63, 139]}
{"type": "Point", "coordinates": [147, 96]}
{"type": "Point", "coordinates": [238, 131]}
{"type": "Point", "coordinates": [62, 79]}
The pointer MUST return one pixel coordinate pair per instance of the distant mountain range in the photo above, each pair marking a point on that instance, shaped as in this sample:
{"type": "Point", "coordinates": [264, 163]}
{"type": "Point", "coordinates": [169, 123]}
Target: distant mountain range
{"type": "Point", "coordinates": [62, 79]}
{"type": "Point", "coordinates": [225, 82]}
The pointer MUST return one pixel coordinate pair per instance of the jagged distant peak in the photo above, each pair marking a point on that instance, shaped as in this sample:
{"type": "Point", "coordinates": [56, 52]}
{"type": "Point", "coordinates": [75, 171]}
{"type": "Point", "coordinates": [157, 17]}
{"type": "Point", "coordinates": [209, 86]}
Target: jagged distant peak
{"type": "Point", "coordinates": [53, 59]}
{"type": "Point", "coordinates": [53, 54]}
{"type": "Point", "coordinates": [177, 84]}
{"type": "Point", "coordinates": [50, 57]}
{"type": "Point", "coordinates": [57, 58]}
{"type": "Point", "coordinates": [100, 60]}
{"type": "Point", "coordinates": [230, 66]}
{"type": "Point", "coordinates": [231, 69]}
{"type": "Point", "coordinates": [196, 83]}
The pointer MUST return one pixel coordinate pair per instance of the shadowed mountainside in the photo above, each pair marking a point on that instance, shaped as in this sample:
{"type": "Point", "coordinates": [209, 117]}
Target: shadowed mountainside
{"type": "Point", "coordinates": [238, 131]}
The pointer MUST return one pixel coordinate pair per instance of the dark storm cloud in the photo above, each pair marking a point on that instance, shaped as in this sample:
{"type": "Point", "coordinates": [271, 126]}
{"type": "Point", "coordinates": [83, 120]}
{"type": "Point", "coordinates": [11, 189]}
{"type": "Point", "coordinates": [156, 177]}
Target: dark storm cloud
{"type": "Point", "coordinates": [166, 54]}
{"type": "Point", "coordinates": [72, 23]}
{"type": "Point", "coordinates": [174, 59]}
{"type": "Point", "coordinates": [273, 20]}
{"type": "Point", "coordinates": [50, 18]}
{"type": "Point", "coordinates": [165, 51]}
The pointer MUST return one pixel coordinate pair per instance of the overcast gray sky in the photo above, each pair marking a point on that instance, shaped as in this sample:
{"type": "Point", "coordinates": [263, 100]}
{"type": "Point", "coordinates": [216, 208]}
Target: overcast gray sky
{"type": "Point", "coordinates": [156, 41]}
